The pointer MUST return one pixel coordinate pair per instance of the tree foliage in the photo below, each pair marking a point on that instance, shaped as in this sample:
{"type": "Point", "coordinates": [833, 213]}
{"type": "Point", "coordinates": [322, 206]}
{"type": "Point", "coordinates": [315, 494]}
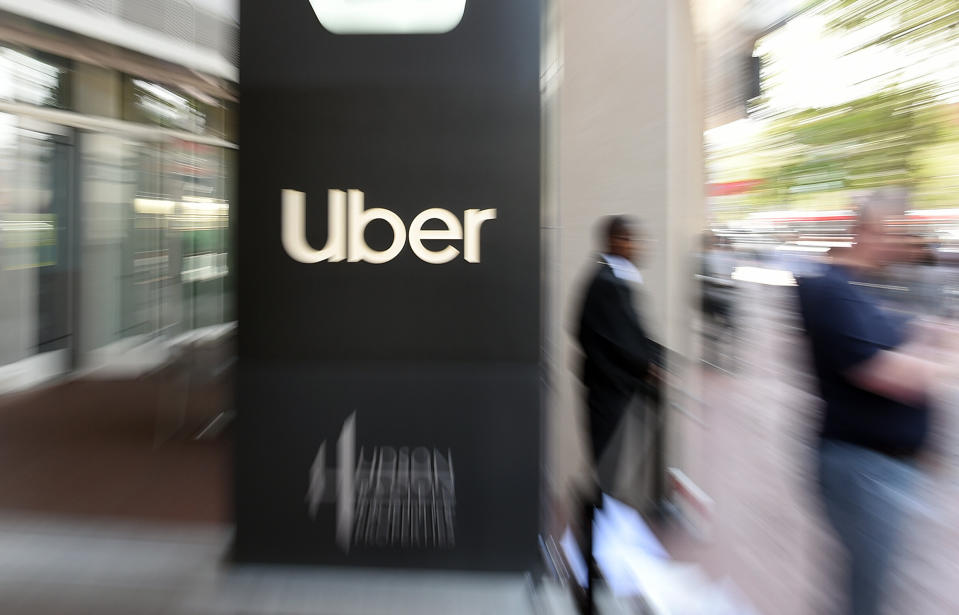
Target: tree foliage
{"type": "Point", "coordinates": [919, 21]}
{"type": "Point", "coordinates": [906, 134]}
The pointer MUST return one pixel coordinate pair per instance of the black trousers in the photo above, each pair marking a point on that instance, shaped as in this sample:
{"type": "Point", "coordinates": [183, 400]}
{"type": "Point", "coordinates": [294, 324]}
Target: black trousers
{"type": "Point", "coordinates": [606, 410]}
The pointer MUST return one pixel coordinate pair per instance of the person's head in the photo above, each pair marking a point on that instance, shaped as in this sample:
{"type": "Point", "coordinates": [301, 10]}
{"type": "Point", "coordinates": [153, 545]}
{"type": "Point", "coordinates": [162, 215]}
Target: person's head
{"type": "Point", "coordinates": [876, 243]}
{"type": "Point", "coordinates": [622, 236]}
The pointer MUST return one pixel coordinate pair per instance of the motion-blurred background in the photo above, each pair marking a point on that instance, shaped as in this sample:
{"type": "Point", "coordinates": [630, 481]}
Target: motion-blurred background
{"type": "Point", "coordinates": [742, 132]}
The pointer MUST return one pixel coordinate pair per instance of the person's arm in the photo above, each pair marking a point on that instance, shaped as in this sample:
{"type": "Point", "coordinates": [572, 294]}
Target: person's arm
{"type": "Point", "coordinates": [910, 371]}
{"type": "Point", "coordinates": [867, 350]}
{"type": "Point", "coordinates": [898, 374]}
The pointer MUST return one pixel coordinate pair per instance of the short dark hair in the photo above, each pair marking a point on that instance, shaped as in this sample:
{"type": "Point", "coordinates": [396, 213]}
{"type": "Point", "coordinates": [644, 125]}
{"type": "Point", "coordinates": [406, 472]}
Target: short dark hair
{"type": "Point", "coordinates": [617, 226]}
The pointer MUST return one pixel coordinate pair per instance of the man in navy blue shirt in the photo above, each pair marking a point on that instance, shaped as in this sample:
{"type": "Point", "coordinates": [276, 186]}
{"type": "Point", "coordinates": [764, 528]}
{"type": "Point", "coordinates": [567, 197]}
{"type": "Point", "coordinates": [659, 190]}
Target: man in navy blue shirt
{"type": "Point", "coordinates": [876, 417]}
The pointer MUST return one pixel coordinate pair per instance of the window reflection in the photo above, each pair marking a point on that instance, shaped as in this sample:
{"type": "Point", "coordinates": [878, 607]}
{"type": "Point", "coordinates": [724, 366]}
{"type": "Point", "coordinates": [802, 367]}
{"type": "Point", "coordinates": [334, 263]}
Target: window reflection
{"type": "Point", "coordinates": [167, 108]}
{"type": "Point", "coordinates": [179, 244]}
{"type": "Point", "coordinates": [34, 253]}
{"type": "Point", "coordinates": [30, 80]}
{"type": "Point", "coordinates": [121, 237]}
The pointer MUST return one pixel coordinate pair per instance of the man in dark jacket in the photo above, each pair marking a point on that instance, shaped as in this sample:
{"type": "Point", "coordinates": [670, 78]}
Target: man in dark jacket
{"type": "Point", "coordinates": [619, 359]}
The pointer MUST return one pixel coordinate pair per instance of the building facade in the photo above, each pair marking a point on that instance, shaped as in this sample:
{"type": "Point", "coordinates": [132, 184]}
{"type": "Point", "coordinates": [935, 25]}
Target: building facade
{"type": "Point", "coordinates": [117, 149]}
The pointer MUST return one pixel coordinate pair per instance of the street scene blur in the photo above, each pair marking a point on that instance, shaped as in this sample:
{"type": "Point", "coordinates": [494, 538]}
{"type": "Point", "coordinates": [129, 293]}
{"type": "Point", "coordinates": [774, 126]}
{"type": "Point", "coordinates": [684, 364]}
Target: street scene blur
{"type": "Point", "coordinates": [745, 307]}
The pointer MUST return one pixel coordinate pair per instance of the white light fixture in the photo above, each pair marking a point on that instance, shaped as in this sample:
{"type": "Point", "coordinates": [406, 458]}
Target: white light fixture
{"type": "Point", "coordinates": [153, 206]}
{"type": "Point", "coordinates": [761, 275]}
{"type": "Point", "coordinates": [204, 206]}
{"type": "Point", "coordinates": [389, 16]}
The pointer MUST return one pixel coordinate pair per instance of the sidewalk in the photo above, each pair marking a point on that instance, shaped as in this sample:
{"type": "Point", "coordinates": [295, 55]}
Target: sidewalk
{"type": "Point", "coordinates": [88, 448]}
{"type": "Point", "coordinates": [61, 566]}
{"type": "Point", "coordinates": [754, 458]}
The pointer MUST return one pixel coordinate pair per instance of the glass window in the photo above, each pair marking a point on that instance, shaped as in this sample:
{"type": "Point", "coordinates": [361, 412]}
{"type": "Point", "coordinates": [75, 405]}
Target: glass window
{"type": "Point", "coordinates": [171, 107]}
{"type": "Point", "coordinates": [35, 213]}
{"type": "Point", "coordinates": [34, 79]}
{"type": "Point", "coordinates": [179, 246]}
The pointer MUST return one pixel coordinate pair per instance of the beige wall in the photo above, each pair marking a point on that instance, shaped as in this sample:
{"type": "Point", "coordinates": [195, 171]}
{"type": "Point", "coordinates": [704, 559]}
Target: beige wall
{"type": "Point", "coordinates": [97, 91]}
{"type": "Point", "coordinates": [623, 134]}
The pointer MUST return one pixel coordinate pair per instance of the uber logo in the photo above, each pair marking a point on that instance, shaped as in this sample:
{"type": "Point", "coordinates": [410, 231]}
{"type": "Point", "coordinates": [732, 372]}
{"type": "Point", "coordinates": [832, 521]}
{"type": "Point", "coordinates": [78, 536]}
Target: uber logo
{"type": "Point", "coordinates": [389, 16]}
{"type": "Point", "coordinates": [348, 241]}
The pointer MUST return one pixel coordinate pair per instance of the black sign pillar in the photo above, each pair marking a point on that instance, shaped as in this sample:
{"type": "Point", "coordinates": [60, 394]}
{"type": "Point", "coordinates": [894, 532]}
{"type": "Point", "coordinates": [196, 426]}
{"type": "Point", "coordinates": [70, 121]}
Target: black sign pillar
{"type": "Point", "coordinates": [388, 263]}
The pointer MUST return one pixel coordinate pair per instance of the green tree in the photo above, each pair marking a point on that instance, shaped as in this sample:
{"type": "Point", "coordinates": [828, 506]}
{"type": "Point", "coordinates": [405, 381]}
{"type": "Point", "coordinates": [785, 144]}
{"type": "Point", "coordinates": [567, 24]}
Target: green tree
{"type": "Point", "coordinates": [865, 143]}
{"type": "Point", "coordinates": [915, 21]}
{"type": "Point", "coordinates": [906, 134]}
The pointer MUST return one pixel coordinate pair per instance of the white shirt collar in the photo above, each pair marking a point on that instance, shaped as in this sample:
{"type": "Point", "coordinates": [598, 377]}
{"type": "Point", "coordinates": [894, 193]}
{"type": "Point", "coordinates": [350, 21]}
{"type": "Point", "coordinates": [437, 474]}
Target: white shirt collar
{"type": "Point", "coordinates": [623, 268]}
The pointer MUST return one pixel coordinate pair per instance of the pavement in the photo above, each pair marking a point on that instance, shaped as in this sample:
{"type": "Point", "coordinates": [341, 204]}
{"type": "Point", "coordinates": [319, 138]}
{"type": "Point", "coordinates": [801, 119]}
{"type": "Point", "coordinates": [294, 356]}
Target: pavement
{"type": "Point", "coordinates": [96, 517]}
{"type": "Point", "coordinates": [120, 449]}
{"type": "Point", "coordinates": [752, 454]}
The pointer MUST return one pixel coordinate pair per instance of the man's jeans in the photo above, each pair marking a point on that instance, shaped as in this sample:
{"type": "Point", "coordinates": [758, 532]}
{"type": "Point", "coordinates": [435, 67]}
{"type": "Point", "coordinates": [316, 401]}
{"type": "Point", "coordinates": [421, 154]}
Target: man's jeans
{"type": "Point", "coordinates": [867, 497]}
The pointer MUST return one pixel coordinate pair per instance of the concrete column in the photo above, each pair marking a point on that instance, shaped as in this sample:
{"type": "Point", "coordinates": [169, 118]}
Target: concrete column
{"type": "Point", "coordinates": [105, 203]}
{"type": "Point", "coordinates": [623, 119]}
{"type": "Point", "coordinates": [97, 91]}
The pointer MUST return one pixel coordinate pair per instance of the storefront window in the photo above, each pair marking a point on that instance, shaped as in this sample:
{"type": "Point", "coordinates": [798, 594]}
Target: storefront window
{"type": "Point", "coordinates": [33, 79]}
{"type": "Point", "coordinates": [179, 238]}
{"type": "Point", "coordinates": [34, 238]}
{"type": "Point", "coordinates": [171, 107]}
{"type": "Point", "coordinates": [135, 224]}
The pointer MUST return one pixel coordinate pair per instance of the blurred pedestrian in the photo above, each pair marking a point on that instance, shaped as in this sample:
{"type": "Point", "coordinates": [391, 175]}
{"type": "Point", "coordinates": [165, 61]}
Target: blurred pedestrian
{"type": "Point", "coordinates": [876, 388]}
{"type": "Point", "coordinates": [930, 280]}
{"type": "Point", "coordinates": [620, 361]}
{"type": "Point", "coordinates": [619, 358]}
{"type": "Point", "coordinates": [717, 264]}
